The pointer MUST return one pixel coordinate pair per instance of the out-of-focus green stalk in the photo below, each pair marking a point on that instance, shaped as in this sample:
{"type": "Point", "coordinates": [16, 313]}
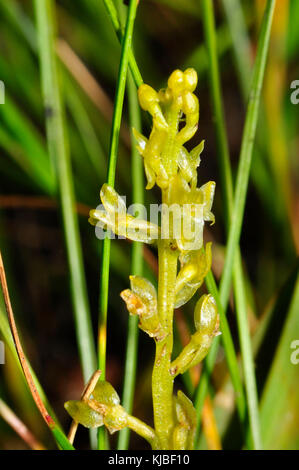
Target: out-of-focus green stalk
{"type": "Point", "coordinates": [112, 12]}
{"type": "Point", "coordinates": [246, 353]}
{"type": "Point", "coordinates": [137, 249]}
{"type": "Point", "coordinates": [59, 153]}
{"type": "Point", "coordinates": [85, 128]}
{"type": "Point", "coordinates": [227, 187]}
{"type": "Point", "coordinates": [224, 159]}
{"type": "Point", "coordinates": [119, 98]}
{"type": "Point", "coordinates": [240, 41]}
{"type": "Point", "coordinates": [137, 268]}
{"type": "Point", "coordinates": [235, 229]}
{"type": "Point", "coordinates": [246, 149]}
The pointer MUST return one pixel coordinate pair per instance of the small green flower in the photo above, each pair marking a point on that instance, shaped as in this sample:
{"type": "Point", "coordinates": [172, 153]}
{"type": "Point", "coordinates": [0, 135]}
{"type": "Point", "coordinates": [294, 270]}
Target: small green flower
{"type": "Point", "coordinates": [141, 300]}
{"type": "Point", "coordinates": [114, 217]}
{"type": "Point", "coordinates": [207, 327]}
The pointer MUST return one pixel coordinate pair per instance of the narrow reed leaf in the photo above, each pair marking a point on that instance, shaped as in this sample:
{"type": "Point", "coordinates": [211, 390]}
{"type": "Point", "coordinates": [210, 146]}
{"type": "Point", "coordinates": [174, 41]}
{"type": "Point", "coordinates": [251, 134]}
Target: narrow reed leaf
{"type": "Point", "coordinates": [247, 148]}
{"type": "Point", "coordinates": [241, 189]}
{"type": "Point", "coordinates": [112, 12]}
{"type": "Point", "coordinates": [279, 395]}
{"type": "Point", "coordinates": [136, 267]}
{"type": "Point", "coordinates": [114, 139]}
{"type": "Point", "coordinates": [59, 153]}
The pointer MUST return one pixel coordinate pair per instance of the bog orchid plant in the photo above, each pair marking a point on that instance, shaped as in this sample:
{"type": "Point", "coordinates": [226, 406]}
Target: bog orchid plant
{"type": "Point", "coordinates": [179, 239]}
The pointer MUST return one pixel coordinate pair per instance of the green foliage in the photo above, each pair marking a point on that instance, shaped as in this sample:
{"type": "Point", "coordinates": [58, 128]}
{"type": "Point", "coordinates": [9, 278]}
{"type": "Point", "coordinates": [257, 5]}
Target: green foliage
{"type": "Point", "coordinates": [53, 57]}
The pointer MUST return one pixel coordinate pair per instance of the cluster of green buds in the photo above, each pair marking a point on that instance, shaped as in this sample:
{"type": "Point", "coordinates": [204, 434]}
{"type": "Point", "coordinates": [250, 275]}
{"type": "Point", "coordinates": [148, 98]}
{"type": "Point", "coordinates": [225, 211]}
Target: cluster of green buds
{"type": "Point", "coordinates": [185, 209]}
{"type": "Point", "coordinates": [102, 407]}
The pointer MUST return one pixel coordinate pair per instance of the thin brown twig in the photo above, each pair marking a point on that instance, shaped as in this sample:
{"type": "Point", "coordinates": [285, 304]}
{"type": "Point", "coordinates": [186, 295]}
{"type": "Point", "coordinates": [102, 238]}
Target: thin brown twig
{"type": "Point", "coordinates": [89, 388]}
{"type": "Point", "coordinates": [19, 427]}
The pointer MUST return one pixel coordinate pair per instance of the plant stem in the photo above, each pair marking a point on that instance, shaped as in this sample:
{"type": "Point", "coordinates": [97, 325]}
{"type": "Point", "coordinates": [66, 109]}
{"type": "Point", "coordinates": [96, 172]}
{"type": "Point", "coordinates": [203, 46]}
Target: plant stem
{"type": "Point", "coordinates": [112, 12]}
{"type": "Point", "coordinates": [137, 268]}
{"type": "Point", "coordinates": [227, 188]}
{"type": "Point", "coordinates": [59, 153]}
{"type": "Point", "coordinates": [247, 148]}
{"type": "Point", "coordinates": [222, 143]}
{"type": "Point", "coordinates": [119, 99]}
{"type": "Point", "coordinates": [162, 381]}
{"type": "Point", "coordinates": [235, 230]}
{"type": "Point", "coordinates": [143, 430]}
{"type": "Point", "coordinates": [247, 354]}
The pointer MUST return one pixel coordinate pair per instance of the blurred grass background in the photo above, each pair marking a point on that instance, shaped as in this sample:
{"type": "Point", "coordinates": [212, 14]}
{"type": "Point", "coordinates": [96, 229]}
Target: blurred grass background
{"type": "Point", "coordinates": [167, 35]}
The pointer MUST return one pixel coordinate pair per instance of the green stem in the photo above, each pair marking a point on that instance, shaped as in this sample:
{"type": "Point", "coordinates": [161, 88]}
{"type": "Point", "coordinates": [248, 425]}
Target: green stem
{"type": "Point", "coordinates": [247, 354]}
{"type": "Point", "coordinates": [137, 268]}
{"type": "Point", "coordinates": [59, 153]}
{"type": "Point", "coordinates": [227, 187]}
{"type": "Point", "coordinates": [119, 99]}
{"type": "Point", "coordinates": [240, 41]}
{"type": "Point", "coordinates": [162, 381]}
{"type": "Point", "coordinates": [222, 144]}
{"type": "Point", "coordinates": [246, 149]}
{"type": "Point", "coordinates": [143, 430]}
{"type": "Point", "coordinates": [235, 229]}
{"type": "Point", "coordinates": [112, 12]}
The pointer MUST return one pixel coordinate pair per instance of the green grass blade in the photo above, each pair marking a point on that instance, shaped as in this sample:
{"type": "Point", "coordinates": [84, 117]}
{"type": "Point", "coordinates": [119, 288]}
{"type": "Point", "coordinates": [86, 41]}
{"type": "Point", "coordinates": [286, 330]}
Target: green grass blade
{"type": "Point", "coordinates": [280, 399]}
{"type": "Point", "coordinates": [137, 268]}
{"type": "Point", "coordinates": [137, 256]}
{"type": "Point", "coordinates": [222, 144]}
{"type": "Point", "coordinates": [85, 128]}
{"type": "Point", "coordinates": [233, 259]}
{"type": "Point", "coordinates": [117, 114]}
{"type": "Point", "coordinates": [246, 152]}
{"type": "Point", "coordinates": [59, 152]}
{"type": "Point", "coordinates": [33, 157]}
{"type": "Point", "coordinates": [247, 149]}
{"type": "Point", "coordinates": [240, 41]}
{"type": "Point", "coordinates": [112, 12]}
{"type": "Point", "coordinates": [246, 353]}
{"type": "Point", "coordinates": [227, 187]}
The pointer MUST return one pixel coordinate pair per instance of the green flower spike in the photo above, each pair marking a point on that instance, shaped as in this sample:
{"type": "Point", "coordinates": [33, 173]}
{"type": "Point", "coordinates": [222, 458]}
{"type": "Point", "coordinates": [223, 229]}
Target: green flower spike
{"type": "Point", "coordinates": [165, 106]}
{"type": "Point", "coordinates": [184, 210]}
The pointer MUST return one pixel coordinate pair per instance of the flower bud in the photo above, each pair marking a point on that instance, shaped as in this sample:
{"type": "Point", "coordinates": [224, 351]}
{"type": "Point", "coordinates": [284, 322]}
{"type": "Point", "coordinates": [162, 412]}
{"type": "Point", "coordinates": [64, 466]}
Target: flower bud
{"type": "Point", "coordinates": [190, 79]}
{"type": "Point", "coordinates": [83, 414]}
